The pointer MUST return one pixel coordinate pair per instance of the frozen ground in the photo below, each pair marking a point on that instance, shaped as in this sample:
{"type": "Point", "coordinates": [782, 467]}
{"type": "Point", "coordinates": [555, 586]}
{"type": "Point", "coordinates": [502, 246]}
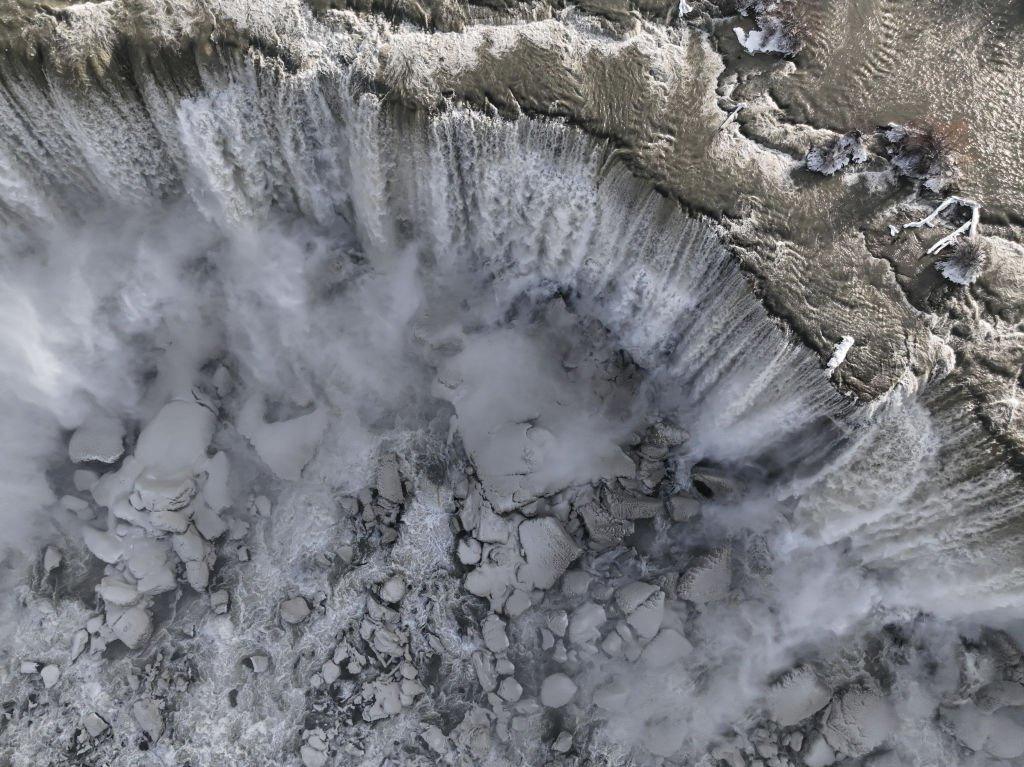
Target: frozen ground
{"type": "Point", "coordinates": [361, 408]}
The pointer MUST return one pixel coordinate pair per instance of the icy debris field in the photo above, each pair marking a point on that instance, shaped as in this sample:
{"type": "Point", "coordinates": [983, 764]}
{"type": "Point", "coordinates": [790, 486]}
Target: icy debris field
{"type": "Point", "coordinates": [454, 443]}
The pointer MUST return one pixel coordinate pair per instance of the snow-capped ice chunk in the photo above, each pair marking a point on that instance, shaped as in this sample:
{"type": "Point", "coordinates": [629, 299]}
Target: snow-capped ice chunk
{"type": "Point", "coordinates": [99, 438]}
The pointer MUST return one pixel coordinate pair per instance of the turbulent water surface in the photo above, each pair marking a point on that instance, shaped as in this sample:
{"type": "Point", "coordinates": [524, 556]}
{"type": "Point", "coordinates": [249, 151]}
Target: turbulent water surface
{"type": "Point", "coordinates": [502, 384]}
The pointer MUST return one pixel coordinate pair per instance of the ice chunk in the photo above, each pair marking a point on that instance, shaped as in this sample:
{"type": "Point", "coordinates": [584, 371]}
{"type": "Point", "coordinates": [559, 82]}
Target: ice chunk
{"type": "Point", "coordinates": [50, 674]}
{"type": "Point", "coordinates": [562, 743]}
{"type": "Point", "coordinates": [557, 690]}
{"type": "Point", "coordinates": [386, 701]}
{"type": "Point", "coordinates": [52, 559]}
{"type": "Point", "coordinates": [469, 551]}
{"type": "Point", "coordinates": [104, 546]}
{"type": "Point", "coordinates": [131, 626]}
{"type": "Point", "coordinates": [284, 446]}
{"type": "Point", "coordinates": [159, 493]}
{"type": "Point", "coordinates": [510, 689]}
{"type": "Point", "coordinates": [219, 601]}
{"type": "Point", "coordinates": [585, 623]}
{"type": "Point", "coordinates": [796, 696]}
{"type": "Point", "coordinates": [312, 757]}
{"type": "Point", "coordinates": [94, 724]}
{"type": "Point", "coordinates": [668, 647]}
{"type": "Point", "coordinates": [548, 550]}
{"type": "Point", "coordinates": [294, 610]}
{"type": "Point", "coordinates": [495, 638]}
{"type": "Point", "coordinates": [174, 442]}
{"type": "Point", "coordinates": [707, 579]}
{"type": "Point", "coordinates": [215, 488]}
{"type": "Point", "coordinates": [389, 481]}
{"type": "Point", "coordinates": [1006, 737]}
{"type": "Point", "coordinates": [857, 722]}
{"type": "Point", "coordinates": [996, 695]}
{"type": "Point", "coordinates": [393, 590]}
{"type": "Point", "coordinates": [819, 753]}
{"type": "Point", "coordinates": [99, 438]}
{"type": "Point", "coordinates": [116, 592]}
{"type": "Point", "coordinates": [150, 719]}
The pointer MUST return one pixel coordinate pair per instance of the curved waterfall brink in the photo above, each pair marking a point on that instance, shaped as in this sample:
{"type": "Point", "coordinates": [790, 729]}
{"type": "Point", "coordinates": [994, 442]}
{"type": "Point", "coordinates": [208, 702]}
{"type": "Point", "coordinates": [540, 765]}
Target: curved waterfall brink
{"type": "Point", "coordinates": [343, 432]}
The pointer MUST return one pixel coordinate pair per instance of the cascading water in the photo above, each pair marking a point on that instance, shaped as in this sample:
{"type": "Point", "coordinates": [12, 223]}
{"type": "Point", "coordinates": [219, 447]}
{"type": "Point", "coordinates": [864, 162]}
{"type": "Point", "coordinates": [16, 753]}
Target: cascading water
{"type": "Point", "coordinates": [446, 440]}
